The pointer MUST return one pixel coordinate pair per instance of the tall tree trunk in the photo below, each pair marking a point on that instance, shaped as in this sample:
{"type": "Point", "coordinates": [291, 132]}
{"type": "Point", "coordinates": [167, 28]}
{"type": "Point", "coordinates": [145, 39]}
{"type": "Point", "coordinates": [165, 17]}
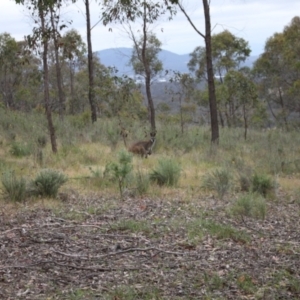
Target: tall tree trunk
{"type": "Point", "coordinates": [61, 95]}
{"type": "Point", "coordinates": [210, 76]}
{"type": "Point", "coordinates": [150, 103]}
{"type": "Point", "coordinates": [148, 73]}
{"type": "Point", "coordinates": [72, 92]}
{"type": "Point", "coordinates": [46, 83]}
{"type": "Point", "coordinates": [90, 64]}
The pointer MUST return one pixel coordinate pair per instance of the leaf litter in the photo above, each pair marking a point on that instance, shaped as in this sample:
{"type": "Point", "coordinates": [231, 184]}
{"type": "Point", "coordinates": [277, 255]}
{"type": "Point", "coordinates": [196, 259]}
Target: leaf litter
{"type": "Point", "coordinates": [101, 248]}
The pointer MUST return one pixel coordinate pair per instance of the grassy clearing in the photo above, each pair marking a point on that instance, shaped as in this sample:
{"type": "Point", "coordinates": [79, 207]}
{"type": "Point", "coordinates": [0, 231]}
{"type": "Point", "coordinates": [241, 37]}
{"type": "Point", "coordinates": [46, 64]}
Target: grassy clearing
{"type": "Point", "coordinates": [205, 235]}
{"type": "Point", "coordinates": [82, 156]}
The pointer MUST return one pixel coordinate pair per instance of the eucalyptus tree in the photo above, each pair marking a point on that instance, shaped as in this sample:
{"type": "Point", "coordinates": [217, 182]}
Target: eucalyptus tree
{"type": "Point", "coordinates": [144, 58]}
{"type": "Point", "coordinates": [209, 65]}
{"type": "Point", "coordinates": [145, 62]}
{"type": "Point", "coordinates": [19, 74]}
{"type": "Point", "coordinates": [278, 72]}
{"type": "Point", "coordinates": [228, 52]}
{"type": "Point", "coordinates": [73, 51]}
{"type": "Point", "coordinates": [90, 62]}
{"type": "Point", "coordinates": [241, 90]}
{"type": "Point", "coordinates": [182, 89]}
{"type": "Point", "coordinates": [56, 26]}
{"type": "Point", "coordinates": [10, 71]}
{"type": "Point", "coordinates": [39, 40]}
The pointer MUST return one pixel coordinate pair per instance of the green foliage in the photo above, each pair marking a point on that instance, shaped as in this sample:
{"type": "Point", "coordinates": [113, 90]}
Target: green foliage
{"type": "Point", "coordinates": [262, 184]}
{"type": "Point", "coordinates": [113, 134]}
{"type": "Point", "coordinates": [14, 189]}
{"type": "Point", "coordinates": [133, 225]}
{"type": "Point", "coordinates": [19, 149]}
{"type": "Point", "coordinates": [228, 51]}
{"type": "Point", "coordinates": [276, 68]}
{"type": "Point", "coordinates": [250, 205]}
{"type": "Point", "coordinates": [47, 183]}
{"type": "Point", "coordinates": [96, 173]}
{"type": "Point", "coordinates": [197, 228]}
{"type": "Point", "coordinates": [174, 140]}
{"type": "Point", "coordinates": [240, 91]}
{"type": "Point", "coordinates": [222, 231]}
{"type": "Point", "coordinates": [123, 99]}
{"type": "Point", "coordinates": [166, 173]}
{"type": "Point", "coordinates": [120, 170]}
{"type": "Point", "coordinates": [153, 47]}
{"type": "Point", "coordinates": [214, 281]}
{"type": "Point", "coordinates": [218, 180]}
{"type": "Point", "coordinates": [129, 292]}
{"type": "Point", "coordinates": [245, 283]}
{"type": "Point", "coordinates": [19, 71]}
{"type": "Point", "coordinates": [81, 121]}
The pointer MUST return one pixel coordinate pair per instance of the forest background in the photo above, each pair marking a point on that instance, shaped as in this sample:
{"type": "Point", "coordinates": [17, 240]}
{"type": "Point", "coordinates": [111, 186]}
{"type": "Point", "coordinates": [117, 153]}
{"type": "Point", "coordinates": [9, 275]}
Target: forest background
{"type": "Point", "coordinates": [221, 196]}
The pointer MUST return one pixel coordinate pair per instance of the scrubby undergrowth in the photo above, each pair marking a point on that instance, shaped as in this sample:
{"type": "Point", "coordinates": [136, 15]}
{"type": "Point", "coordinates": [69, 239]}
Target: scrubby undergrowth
{"type": "Point", "coordinates": [226, 228]}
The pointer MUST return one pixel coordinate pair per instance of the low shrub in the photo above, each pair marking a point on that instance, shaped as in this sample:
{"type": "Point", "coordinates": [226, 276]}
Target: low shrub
{"type": "Point", "coordinates": [218, 180]}
{"type": "Point", "coordinates": [166, 173]}
{"type": "Point", "coordinates": [14, 189]}
{"type": "Point", "coordinates": [262, 184]}
{"type": "Point", "coordinates": [47, 183]}
{"type": "Point", "coordinates": [19, 149]}
{"type": "Point", "coordinates": [120, 170]}
{"type": "Point", "coordinates": [250, 205]}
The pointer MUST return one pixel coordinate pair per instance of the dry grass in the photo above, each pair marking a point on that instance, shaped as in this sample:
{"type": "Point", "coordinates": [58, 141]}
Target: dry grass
{"type": "Point", "coordinates": [79, 161]}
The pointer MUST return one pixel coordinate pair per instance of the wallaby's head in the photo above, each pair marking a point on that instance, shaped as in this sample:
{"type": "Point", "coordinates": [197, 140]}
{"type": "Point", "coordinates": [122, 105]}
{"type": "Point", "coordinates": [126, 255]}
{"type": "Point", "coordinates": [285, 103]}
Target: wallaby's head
{"type": "Point", "coordinates": [152, 135]}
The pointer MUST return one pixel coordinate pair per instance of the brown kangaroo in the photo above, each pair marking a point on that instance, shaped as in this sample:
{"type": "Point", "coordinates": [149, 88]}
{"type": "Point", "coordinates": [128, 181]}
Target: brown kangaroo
{"type": "Point", "coordinates": [143, 148]}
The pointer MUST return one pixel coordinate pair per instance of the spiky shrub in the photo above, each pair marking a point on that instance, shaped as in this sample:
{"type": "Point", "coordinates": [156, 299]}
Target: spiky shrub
{"type": "Point", "coordinates": [250, 205]}
{"type": "Point", "coordinates": [218, 180]}
{"type": "Point", "coordinates": [14, 189]}
{"type": "Point", "coordinates": [262, 184]}
{"type": "Point", "coordinates": [120, 170]}
{"type": "Point", "coordinates": [19, 149]}
{"type": "Point", "coordinates": [166, 173]}
{"type": "Point", "coordinates": [47, 183]}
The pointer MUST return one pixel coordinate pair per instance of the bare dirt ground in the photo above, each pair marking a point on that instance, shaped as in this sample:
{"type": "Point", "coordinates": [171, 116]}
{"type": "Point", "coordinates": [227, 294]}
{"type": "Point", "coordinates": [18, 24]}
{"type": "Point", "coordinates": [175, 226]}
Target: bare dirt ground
{"type": "Point", "coordinates": [100, 248]}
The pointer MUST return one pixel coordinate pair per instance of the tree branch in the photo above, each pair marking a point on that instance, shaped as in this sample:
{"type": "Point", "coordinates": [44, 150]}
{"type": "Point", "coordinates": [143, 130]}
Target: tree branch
{"type": "Point", "coordinates": [190, 20]}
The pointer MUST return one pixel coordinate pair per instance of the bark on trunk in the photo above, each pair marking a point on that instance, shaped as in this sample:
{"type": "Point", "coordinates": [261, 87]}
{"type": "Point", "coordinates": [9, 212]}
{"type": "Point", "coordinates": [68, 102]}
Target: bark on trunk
{"type": "Point", "coordinates": [210, 76]}
{"type": "Point", "coordinates": [90, 64]}
{"type": "Point", "coordinates": [46, 84]}
{"type": "Point", "coordinates": [148, 75]}
{"type": "Point", "coordinates": [61, 95]}
{"type": "Point", "coordinates": [72, 92]}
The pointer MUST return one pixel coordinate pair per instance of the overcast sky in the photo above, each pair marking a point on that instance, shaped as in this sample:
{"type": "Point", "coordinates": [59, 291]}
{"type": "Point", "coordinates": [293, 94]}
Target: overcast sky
{"type": "Point", "coordinates": [253, 20]}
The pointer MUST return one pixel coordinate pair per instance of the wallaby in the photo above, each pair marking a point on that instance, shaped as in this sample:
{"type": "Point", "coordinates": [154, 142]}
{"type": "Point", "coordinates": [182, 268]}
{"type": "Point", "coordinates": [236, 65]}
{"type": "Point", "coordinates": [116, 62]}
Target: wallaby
{"type": "Point", "coordinates": [143, 148]}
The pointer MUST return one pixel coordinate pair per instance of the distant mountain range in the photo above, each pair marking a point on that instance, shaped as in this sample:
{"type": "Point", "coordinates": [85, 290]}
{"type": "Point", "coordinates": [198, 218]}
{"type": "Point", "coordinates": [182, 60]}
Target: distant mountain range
{"type": "Point", "coordinates": [119, 58]}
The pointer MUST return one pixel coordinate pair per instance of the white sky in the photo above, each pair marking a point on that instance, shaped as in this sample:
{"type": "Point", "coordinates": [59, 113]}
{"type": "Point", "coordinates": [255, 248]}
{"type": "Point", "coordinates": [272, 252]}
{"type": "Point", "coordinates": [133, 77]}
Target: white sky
{"type": "Point", "coordinates": [253, 20]}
